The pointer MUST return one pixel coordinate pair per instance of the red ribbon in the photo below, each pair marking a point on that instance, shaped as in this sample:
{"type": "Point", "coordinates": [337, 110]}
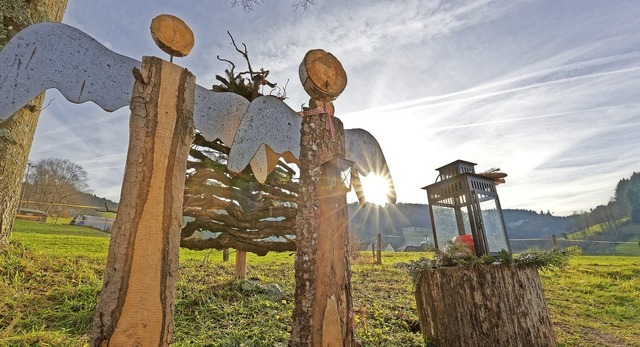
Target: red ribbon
{"type": "Point", "coordinates": [321, 110]}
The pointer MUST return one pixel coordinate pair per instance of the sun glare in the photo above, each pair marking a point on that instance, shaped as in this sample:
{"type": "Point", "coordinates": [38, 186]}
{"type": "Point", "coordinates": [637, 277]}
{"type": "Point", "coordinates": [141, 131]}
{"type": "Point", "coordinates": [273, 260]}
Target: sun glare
{"type": "Point", "coordinates": [375, 189]}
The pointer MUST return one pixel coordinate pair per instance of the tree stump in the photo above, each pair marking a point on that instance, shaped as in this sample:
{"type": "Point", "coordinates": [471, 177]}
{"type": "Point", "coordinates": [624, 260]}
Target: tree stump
{"type": "Point", "coordinates": [489, 305]}
{"type": "Point", "coordinates": [137, 299]}
{"type": "Point", "coordinates": [322, 315]}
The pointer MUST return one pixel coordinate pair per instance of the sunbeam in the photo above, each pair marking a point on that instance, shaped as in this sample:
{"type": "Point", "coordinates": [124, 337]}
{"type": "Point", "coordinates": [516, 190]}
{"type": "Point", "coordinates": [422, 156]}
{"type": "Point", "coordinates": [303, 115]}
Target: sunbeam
{"type": "Point", "coordinates": [376, 189]}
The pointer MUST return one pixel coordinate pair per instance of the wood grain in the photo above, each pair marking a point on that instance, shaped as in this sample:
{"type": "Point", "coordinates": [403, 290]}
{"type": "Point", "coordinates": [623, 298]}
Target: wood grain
{"type": "Point", "coordinates": [489, 305]}
{"type": "Point", "coordinates": [137, 300]}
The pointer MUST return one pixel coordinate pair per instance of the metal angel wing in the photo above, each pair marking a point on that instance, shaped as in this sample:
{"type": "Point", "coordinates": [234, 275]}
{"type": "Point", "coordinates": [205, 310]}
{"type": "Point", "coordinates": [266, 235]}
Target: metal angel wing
{"type": "Point", "coordinates": [364, 150]}
{"type": "Point", "coordinates": [271, 129]}
{"type": "Point", "coordinates": [55, 55]}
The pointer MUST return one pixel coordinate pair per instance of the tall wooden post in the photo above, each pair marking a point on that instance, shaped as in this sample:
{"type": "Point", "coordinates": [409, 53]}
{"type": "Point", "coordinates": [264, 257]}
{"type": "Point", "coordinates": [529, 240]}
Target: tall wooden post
{"type": "Point", "coordinates": [322, 315]}
{"type": "Point", "coordinates": [137, 300]}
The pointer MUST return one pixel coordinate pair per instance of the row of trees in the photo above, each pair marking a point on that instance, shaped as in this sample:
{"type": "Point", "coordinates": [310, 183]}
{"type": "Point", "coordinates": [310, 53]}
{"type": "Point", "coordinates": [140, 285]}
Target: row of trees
{"type": "Point", "coordinates": [52, 182]}
{"type": "Point", "coordinates": [627, 197]}
{"type": "Point", "coordinates": [624, 203]}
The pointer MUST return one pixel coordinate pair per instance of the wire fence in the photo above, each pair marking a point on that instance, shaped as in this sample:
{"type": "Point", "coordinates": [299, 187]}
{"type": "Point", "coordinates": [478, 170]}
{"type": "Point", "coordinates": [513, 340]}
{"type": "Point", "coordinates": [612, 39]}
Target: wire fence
{"type": "Point", "coordinates": [588, 247]}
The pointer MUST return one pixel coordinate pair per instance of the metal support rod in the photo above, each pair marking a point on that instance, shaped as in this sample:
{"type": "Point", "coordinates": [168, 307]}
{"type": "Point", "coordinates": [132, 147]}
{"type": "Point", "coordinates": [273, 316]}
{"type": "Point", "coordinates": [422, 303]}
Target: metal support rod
{"type": "Point", "coordinates": [24, 185]}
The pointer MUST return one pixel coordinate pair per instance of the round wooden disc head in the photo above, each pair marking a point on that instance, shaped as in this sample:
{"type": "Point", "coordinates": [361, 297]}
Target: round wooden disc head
{"type": "Point", "coordinates": [322, 75]}
{"type": "Point", "coordinates": [172, 35]}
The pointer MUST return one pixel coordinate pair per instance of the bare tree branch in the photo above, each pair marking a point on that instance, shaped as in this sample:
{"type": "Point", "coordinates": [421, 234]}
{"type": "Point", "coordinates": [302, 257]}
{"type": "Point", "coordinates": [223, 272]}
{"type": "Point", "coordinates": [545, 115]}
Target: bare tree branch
{"type": "Point", "coordinates": [106, 209]}
{"type": "Point", "coordinates": [304, 4]}
{"type": "Point", "coordinates": [249, 5]}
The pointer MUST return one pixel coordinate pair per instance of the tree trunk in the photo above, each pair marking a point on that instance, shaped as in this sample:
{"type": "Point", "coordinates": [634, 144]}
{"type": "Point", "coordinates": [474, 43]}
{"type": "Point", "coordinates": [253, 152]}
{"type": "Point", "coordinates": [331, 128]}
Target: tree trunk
{"type": "Point", "coordinates": [489, 305]}
{"type": "Point", "coordinates": [137, 299]}
{"type": "Point", "coordinates": [16, 133]}
{"type": "Point", "coordinates": [322, 315]}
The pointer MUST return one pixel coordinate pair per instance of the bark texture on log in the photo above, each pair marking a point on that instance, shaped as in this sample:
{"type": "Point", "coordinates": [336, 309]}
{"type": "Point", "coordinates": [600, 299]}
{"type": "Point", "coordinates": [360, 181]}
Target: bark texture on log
{"type": "Point", "coordinates": [492, 305]}
{"type": "Point", "coordinates": [322, 314]}
{"type": "Point", "coordinates": [16, 133]}
{"type": "Point", "coordinates": [137, 299]}
{"type": "Point", "coordinates": [16, 137]}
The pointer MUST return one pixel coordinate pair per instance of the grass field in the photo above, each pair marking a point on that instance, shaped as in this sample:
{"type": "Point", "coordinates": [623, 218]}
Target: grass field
{"type": "Point", "coordinates": [50, 279]}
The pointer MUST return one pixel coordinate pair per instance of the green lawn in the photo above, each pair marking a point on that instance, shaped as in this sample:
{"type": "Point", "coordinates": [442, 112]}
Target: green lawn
{"type": "Point", "coordinates": [51, 276]}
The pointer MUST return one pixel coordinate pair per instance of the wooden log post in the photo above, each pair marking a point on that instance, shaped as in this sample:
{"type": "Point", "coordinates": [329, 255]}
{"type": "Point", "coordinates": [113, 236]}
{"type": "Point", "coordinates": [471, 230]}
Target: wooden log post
{"type": "Point", "coordinates": [322, 315]}
{"type": "Point", "coordinates": [136, 304]}
{"type": "Point", "coordinates": [241, 265]}
{"type": "Point", "coordinates": [489, 305]}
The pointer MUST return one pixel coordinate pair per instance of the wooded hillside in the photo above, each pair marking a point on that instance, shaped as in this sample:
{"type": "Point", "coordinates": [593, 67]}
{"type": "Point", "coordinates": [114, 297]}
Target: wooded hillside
{"type": "Point", "coordinates": [407, 224]}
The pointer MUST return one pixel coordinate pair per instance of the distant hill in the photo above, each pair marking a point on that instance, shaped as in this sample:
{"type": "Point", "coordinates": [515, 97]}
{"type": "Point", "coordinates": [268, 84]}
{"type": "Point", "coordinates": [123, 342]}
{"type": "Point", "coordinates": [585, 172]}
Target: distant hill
{"type": "Point", "coordinates": [93, 200]}
{"type": "Point", "coordinates": [409, 224]}
{"type": "Point", "coordinates": [601, 229]}
{"type": "Point", "coordinates": [530, 224]}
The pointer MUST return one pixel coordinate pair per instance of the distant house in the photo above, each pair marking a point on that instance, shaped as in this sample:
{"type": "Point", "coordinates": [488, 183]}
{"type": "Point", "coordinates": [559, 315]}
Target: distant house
{"type": "Point", "coordinates": [97, 222]}
{"type": "Point", "coordinates": [387, 247]}
{"type": "Point", "coordinates": [31, 214]}
{"type": "Point", "coordinates": [413, 248]}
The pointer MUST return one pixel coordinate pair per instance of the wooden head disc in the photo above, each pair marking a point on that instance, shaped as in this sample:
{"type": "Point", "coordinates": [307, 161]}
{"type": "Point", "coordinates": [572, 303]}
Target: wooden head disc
{"type": "Point", "coordinates": [322, 75]}
{"type": "Point", "coordinates": [172, 35]}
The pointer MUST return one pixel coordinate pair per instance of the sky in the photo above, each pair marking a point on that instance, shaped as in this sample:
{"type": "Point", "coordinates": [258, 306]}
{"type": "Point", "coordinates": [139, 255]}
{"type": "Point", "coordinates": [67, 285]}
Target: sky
{"type": "Point", "coordinates": [547, 91]}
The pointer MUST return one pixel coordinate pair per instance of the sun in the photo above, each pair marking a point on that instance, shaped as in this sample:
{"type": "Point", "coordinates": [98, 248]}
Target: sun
{"type": "Point", "coordinates": [375, 189]}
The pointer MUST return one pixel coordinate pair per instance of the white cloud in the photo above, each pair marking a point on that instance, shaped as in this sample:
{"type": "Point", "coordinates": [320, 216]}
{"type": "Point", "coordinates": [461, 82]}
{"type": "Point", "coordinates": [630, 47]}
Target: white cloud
{"type": "Point", "coordinates": [545, 90]}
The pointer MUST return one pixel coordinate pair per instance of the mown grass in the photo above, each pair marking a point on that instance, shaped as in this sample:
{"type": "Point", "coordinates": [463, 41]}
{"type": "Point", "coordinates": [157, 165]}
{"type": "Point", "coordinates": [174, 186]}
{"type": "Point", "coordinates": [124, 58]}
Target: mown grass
{"type": "Point", "coordinates": [596, 301]}
{"type": "Point", "coordinates": [51, 276]}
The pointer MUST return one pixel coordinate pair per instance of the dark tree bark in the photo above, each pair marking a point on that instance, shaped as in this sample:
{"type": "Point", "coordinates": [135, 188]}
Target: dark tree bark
{"type": "Point", "coordinates": [16, 133]}
{"type": "Point", "coordinates": [322, 315]}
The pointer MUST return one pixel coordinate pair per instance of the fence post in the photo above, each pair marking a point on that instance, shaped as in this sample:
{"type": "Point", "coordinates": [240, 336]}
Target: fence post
{"type": "Point", "coordinates": [373, 250]}
{"type": "Point", "coordinates": [555, 241]}
{"type": "Point", "coordinates": [379, 248]}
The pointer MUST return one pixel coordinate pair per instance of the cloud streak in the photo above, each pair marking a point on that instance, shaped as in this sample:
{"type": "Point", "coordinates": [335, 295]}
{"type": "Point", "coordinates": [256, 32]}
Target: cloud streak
{"type": "Point", "coordinates": [546, 90]}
